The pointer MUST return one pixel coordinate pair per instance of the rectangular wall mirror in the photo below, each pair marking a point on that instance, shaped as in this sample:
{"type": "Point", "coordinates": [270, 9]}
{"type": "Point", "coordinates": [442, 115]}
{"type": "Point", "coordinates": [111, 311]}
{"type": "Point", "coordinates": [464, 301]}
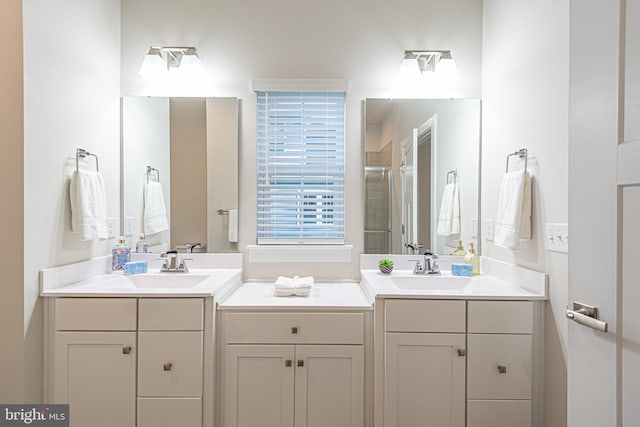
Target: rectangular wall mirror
{"type": "Point", "coordinates": [186, 149]}
{"type": "Point", "coordinates": [417, 153]}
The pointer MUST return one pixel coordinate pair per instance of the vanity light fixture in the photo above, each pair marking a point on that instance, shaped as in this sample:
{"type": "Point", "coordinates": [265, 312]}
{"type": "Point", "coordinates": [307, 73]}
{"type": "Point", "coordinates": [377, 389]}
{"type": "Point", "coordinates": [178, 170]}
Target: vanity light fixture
{"type": "Point", "coordinates": [161, 60]}
{"type": "Point", "coordinates": [428, 64]}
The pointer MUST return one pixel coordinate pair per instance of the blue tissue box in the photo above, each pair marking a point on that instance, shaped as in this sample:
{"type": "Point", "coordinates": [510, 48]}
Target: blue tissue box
{"type": "Point", "coordinates": [135, 267]}
{"type": "Point", "coordinates": [459, 270]}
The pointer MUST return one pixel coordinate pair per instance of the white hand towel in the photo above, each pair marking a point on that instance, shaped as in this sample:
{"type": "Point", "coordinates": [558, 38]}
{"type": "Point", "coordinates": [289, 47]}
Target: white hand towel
{"type": "Point", "coordinates": [155, 214]}
{"type": "Point", "coordinates": [233, 225]}
{"type": "Point", "coordinates": [449, 217]}
{"type": "Point", "coordinates": [292, 286]}
{"type": "Point", "coordinates": [88, 205]}
{"type": "Point", "coordinates": [513, 221]}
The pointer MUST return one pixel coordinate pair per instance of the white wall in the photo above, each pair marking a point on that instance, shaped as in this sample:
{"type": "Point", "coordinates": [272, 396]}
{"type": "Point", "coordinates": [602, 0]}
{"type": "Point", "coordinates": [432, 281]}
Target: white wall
{"type": "Point", "coordinates": [525, 86]}
{"type": "Point", "coordinates": [11, 216]}
{"type": "Point", "coordinates": [358, 40]}
{"type": "Point", "coordinates": [71, 99]}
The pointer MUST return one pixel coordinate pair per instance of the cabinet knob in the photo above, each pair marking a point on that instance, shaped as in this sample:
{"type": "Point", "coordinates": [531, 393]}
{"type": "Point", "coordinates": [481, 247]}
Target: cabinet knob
{"type": "Point", "coordinates": [502, 369]}
{"type": "Point", "coordinates": [294, 330]}
{"type": "Point", "coordinates": [167, 366]}
{"type": "Point", "coordinates": [126, 350]}
{"type": "Point", "coordinates": [300, 362]}
{"type": "Point", "coordinates": [462, 352]}
{"type": "Point", "coordinates": [288, 363]}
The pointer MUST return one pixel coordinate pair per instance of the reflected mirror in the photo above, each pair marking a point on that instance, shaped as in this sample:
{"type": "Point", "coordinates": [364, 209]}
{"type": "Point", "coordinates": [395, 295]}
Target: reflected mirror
{"type": "Point", "coordinates": [180, 173]}
{"type": "Point", "coordinates": [422, 168]}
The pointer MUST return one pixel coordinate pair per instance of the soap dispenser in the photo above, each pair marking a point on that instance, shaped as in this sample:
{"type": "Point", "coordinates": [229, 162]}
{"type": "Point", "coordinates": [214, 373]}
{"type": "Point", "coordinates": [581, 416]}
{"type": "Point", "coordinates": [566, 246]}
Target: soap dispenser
{"type": "Point", "coordinates": [473, 259]}
{"type": "Point", "coordinates": [120, 254]}
{"type": "Point", "coordinates": [141, 245]}
{"type": "Point", "coordinates": [459, 251]}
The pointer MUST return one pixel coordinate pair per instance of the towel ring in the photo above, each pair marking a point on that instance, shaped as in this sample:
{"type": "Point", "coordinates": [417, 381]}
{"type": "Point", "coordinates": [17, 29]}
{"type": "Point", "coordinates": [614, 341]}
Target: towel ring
{"type": "Point", "coordinates": [150, 170]}
{"type": "Point", "coordinates": [455, 175]}
{"type": "Point", "coordinates": [523, 154]}
{"type": "Point", "coordinates": [81, 153]}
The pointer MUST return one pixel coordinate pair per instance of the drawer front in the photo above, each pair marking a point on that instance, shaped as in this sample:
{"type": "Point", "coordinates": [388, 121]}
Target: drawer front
{"type": "Point", "coordinates": [169, 412]}
{"type": "Point", "coordinates": [293, 328]}
{"type": "Point", "coordinates": [499, 366]}
{"type": "Point", "coordinates": [96, 314]}
{"type": "Point", "coordinates": [170, 364]}
{"type": "Point", "coordinates": [499, 413]}
{"type": "Point", "coordinates": [425, 316]}
{"type": "Point", "coordinates": [170, 314]}
{"type": "Point", "coordinates": [500, 317]}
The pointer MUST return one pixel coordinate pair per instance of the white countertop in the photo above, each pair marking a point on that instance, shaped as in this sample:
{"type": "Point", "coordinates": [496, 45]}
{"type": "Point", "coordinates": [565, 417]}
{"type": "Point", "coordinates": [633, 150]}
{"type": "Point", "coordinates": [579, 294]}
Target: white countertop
{"type": "Point", "coordinates": [335, 295]}
{"type": "Point", "coordinates": [198, 283]}
{"type": "Point", "coordinates": [476, 287]}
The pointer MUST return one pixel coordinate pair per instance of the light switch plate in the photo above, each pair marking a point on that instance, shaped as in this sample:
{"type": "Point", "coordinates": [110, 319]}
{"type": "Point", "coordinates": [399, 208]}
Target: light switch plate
{"type": "Point", "coordinates": [556, 237]}
{"type": "Point", "coordinates": [474, 228]}
{"type": "Point", "coordinates": [111, 228]}
{"type": "Point", "coordinates": [489, 228]}
{"type": "Point", "coordinates": [128, 226]}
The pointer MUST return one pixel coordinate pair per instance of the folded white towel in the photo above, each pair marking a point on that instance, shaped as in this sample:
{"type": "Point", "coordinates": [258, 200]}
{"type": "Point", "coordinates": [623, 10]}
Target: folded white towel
{"type": "Point", "coordinates": [233, 225]}
{"type": "Point", "coordinates": [88, 205]}
{"type": "Point", "coordinates": [155, 214]}
{"type": "Point", "coordinates": [449, 217]}
{"type": "Point", "coordinates": [290, 286]}
{"type": "Point", "coordinates": [513, 220]}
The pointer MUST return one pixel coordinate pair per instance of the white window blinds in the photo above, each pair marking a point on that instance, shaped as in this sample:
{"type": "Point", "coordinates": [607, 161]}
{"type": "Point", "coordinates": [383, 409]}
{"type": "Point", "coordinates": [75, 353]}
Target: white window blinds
{"type": "Point", "coordinates": [300, 167]}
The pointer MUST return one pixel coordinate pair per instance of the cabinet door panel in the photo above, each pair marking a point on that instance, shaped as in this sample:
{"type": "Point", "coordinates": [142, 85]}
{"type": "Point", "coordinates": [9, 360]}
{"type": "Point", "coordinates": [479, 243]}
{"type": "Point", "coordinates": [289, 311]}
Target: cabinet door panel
{"type": "Point", "coordinates": [170, 364]}
{"type": "Point", "coordinates": [95, 376]}
{"type": "Point", "coordinates": [499, 413]}
{"type": "Point", "coordinates": [259, 386]}
{"type": "Point", "coordinates": [169, 412]}
{"type": "Point", "coordinates": [329, 386]}
{"type": "Point", "coordinates": [424, 380]}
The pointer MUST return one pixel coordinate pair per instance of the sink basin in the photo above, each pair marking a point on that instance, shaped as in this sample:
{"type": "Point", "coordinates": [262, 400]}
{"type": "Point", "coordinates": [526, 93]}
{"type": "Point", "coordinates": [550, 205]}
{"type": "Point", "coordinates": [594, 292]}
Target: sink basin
{"type": "Point", "coordinates": [166, 281]}
{"type": "Point", "coordinates": [432, 283]}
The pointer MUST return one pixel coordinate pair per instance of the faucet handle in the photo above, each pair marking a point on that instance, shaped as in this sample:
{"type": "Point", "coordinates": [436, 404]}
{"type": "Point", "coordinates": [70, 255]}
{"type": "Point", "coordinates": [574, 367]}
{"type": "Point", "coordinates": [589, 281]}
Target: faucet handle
{"type": "Point", "coordinates": [417, 269]}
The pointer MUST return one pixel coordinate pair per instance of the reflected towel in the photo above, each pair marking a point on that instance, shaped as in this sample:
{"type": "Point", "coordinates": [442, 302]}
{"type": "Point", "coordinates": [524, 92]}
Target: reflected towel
{"type": "Point", "coordinates": [293, 286]}
{"type": "Point", "coordinates": [155, 214]}
{"type": "Point", "coordinates": [88, 205]}
{"type": "Point", "coordinates": [449, 217]}
{"type": "Point", "coordinates": [513, 220]}
{"type": "Point", "coordinates": [233, 225]}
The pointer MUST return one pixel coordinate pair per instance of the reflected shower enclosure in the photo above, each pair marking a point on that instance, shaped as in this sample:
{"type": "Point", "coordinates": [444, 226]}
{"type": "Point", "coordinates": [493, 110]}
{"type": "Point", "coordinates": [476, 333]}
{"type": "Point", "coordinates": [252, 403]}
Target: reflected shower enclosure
{"type": "Point", "coordinates": [377, 221]}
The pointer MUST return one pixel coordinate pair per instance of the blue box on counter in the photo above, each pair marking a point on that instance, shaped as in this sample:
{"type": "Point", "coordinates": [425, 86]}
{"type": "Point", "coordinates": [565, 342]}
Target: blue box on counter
{"type": "Point", "coordinates": [460, 270]}
{"type": "Point", "coordinates": [135, 267]}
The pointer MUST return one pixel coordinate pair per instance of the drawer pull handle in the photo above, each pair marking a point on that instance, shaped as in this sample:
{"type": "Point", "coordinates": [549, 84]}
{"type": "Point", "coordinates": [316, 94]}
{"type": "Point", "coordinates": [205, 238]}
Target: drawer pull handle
{"type": "Point", "coordinates": [288, 363]}
{"type": "Point", "coordinates": [126, 350]}
{"type": "Point", "coordinates": [300, 363]}
{"type": "Point", "coordinates": [502, 369]}
{"type": "Point", "coordinates": [462, 352]}
{"type": "Point", "coordinates": [294, 330]}
{"type": "Point", "coordinates": [167, 366]}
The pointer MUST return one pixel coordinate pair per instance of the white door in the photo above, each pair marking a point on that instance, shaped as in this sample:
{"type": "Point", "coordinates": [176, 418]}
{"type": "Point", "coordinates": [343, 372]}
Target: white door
{"type": "Point", "coordinates": [604, 211]}
{"type": "Point", "coordinates": [95, 373]}
{"type": "Point", "coordinates": [329, 386]}
{"type": "Point", "coordinates": [424, 380]}
{"type": "Point", "coordinates": [409, 206]}
{"type": "Point", "coordinates": [259, 385]}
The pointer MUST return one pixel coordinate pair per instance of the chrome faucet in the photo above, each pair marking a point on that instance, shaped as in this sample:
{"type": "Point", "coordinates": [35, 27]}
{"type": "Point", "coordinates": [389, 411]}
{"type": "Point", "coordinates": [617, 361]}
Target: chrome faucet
{"type": "Point", "coordinates": [429, 264]}
{"type": "Point", "coordinates": [172, 264]}
{"type": "Point", "coordinates": [192, 246]}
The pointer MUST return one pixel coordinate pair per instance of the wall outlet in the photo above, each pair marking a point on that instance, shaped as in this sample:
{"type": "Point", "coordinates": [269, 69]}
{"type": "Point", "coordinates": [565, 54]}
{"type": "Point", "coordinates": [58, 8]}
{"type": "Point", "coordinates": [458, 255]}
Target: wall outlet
{"type": "Point", "coordinates": [474, 228]}
{"type": "Point", "coordinates": [556, 237]}
{"type": "Point", "coordinates": [489, 228]}
{"type": "Point", "coordinates": [128, 226]}
{"type": "Point", "coordinates": [111, 228]}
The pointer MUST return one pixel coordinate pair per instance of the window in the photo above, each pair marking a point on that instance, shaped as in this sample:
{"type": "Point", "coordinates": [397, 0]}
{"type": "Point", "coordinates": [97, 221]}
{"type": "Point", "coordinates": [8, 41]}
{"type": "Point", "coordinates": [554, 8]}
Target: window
{"type": "Point", "coordinates": [300, 167]}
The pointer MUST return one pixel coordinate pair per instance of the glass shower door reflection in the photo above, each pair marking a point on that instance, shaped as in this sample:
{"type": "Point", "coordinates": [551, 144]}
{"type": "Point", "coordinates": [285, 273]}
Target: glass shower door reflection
{"type": "Point", "coordinates": [377, 221]}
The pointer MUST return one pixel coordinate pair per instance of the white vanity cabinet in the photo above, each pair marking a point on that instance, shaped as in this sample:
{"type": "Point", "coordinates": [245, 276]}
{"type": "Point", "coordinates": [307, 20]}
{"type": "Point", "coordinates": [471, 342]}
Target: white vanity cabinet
{"type": "Point", "coordinates": [286, 369]}
{"type": "Point", "coordinates": [126, 362]}
{"type": "Point", "coordinates": [424, 349]}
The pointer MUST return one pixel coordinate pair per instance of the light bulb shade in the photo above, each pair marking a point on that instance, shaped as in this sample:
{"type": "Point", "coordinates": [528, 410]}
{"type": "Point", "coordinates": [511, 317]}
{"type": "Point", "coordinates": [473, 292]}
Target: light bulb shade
{"type": "Point", "coordinates": [409, 71]}
{"type": "Point", "coordinates": [190, 61]}
{"type": "Point", "coordinates": [446, 70]}
{"type": "Point", "coordinates": [153, 65]}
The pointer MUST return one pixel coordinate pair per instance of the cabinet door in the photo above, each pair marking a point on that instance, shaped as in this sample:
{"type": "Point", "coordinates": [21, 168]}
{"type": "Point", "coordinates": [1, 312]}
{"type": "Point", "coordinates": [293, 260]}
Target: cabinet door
{"type": "Point", "coordinates": [95, 372]}
{"type": "Point", "coordinates": [424, 380]}
{"type": "Point", "coordinates": [329, 386]}
{"type": "Point", "coordinates": [259, 381]}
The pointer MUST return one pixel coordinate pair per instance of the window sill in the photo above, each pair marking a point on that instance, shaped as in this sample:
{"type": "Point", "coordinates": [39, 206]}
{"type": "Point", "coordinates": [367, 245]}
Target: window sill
{"type": "Point", "coordinates": [293, 253]}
